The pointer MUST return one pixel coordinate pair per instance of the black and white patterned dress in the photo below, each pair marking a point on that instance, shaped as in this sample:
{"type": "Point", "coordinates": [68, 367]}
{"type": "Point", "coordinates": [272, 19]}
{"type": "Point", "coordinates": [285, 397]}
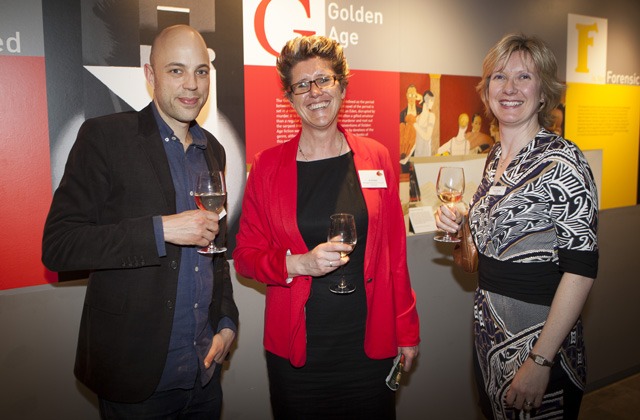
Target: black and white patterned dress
{"type": "Point", "coordinates": [536, 222]}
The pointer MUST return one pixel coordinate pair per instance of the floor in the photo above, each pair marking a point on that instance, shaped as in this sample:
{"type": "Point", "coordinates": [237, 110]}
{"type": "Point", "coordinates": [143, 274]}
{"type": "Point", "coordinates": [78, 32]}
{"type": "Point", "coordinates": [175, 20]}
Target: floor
{"type": "Point", "coordinates": [620, 400]}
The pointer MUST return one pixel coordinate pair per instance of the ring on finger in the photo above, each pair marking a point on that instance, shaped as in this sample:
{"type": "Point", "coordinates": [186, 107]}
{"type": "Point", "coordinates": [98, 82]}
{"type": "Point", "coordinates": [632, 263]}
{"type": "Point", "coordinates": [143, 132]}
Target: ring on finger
{"type": "Point", "coordinates": [527, 405]}
{"type": "Point", "coordinates": [330, 263]}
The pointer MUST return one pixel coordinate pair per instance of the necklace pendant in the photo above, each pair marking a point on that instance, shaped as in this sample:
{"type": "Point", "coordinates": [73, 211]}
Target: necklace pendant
{"type": "Point", "coordinates": [302, 153]}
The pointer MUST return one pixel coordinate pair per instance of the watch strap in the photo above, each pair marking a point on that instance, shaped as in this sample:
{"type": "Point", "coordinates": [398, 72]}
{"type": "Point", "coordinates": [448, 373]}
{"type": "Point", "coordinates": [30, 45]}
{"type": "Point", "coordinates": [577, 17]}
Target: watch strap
{"type": "Point", "coordinates": [540, 360]}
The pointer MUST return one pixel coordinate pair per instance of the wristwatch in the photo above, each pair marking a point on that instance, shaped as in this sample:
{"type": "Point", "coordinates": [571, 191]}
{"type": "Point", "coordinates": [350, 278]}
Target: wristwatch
{"type": "Point", "coordinates": [540, 360]}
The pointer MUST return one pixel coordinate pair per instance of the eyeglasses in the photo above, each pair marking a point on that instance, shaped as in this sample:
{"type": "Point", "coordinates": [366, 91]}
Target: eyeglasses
{"type": "Point", "coordinates": [321, 82]}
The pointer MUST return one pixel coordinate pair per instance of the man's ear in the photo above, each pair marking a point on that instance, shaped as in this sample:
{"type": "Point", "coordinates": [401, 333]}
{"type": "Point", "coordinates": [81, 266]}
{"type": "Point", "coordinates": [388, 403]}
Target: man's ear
{"type": "Point", "coordinates": [148, 74]}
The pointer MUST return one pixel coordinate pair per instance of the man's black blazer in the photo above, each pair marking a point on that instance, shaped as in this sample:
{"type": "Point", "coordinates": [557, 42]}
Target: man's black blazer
{"type": "Point", "coordinates": [116, 179]}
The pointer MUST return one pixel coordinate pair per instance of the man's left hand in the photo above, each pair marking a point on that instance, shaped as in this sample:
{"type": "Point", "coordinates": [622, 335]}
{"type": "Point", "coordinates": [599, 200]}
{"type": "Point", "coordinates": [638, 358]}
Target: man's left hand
{"type": "Point", "coordinates": [220, 346]}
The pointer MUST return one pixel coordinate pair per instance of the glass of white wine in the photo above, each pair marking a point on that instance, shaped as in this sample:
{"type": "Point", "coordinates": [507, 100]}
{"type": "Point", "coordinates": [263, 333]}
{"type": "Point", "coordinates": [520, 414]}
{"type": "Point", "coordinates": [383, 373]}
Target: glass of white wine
{"type": "Point", "coordinates": [450, 187]}
{"type": "Point", "coordinates": [210, 194]}
{"type": "Point", "coordinates": [342, 230]}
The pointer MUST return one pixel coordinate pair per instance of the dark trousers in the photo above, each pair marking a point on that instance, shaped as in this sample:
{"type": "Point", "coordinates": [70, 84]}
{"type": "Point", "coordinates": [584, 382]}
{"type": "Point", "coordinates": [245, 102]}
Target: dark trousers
{"type": "Point", "coordinates": [196, 403]}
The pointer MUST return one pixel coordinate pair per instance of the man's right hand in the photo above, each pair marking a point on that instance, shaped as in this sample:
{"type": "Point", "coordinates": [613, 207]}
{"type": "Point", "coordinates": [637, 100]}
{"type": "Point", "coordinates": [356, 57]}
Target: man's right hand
{"type": "Point", "coordinates": [192, 227]}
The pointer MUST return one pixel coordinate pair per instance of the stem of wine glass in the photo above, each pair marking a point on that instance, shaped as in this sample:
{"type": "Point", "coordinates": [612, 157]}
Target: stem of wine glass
{"type": "Point", "coordinates": [447, 234]}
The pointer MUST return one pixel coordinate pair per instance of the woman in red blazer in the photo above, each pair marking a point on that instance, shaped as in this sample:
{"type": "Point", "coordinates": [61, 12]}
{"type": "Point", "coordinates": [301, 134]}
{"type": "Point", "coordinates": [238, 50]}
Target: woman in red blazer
{"type": "Point", "coordinates": [327, 354]}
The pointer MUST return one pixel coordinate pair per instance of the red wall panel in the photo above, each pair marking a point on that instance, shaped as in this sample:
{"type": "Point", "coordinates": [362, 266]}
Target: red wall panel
{"type": "Point", "coordinates": [24, 170]}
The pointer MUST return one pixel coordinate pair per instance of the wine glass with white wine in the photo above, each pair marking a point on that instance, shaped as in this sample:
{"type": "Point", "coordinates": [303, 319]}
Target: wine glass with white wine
{"type": "Point", "coordinates": [450, 187]}
{"type": "Point", "coordinates": [342, 230]}
{"type": "Point", "coordinates": [210, 194]}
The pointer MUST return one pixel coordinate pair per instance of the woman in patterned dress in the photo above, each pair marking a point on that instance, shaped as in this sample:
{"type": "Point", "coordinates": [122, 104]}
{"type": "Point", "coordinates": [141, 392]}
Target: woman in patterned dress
{"type": "Point", "coordinates": [533, 219]}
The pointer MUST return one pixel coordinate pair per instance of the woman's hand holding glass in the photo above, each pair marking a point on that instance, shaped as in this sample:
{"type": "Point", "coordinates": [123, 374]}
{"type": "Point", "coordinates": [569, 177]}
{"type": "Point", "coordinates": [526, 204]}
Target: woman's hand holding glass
{"type": "Point", "coordinates": [449, 187]}
{"type": "Point", "coordinates": [321, 260]}
{"type": "Point", "coordinates": [342, 230]}
{"type": "Point", "coordinates": [448, 218]}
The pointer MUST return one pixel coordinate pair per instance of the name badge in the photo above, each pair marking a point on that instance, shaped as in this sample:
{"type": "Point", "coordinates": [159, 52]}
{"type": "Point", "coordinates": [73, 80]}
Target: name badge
{"type": "Point", "coordinates": [497, 190]}
{"type": "Point", "coordinates": [373, 178]}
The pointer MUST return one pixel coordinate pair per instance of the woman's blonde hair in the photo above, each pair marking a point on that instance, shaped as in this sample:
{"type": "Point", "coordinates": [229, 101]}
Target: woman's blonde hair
{"type": "Point", "coordinates": [546, 68]}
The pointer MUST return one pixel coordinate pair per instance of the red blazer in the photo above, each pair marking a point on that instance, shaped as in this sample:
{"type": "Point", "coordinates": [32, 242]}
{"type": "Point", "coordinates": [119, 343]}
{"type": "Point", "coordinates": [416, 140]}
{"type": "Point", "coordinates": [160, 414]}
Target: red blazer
{"type": "Point", "coordinates": [268, 229]}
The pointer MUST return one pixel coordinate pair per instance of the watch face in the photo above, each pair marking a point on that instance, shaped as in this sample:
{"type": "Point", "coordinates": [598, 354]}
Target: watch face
{"type": "Point", "coordinates": [540, 360]}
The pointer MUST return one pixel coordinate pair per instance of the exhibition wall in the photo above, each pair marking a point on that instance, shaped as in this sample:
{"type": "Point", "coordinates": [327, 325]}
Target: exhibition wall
{"type": "Point", "coordinates": [65, 61]}
{"type": "Point", "coordinates": [74, 59]}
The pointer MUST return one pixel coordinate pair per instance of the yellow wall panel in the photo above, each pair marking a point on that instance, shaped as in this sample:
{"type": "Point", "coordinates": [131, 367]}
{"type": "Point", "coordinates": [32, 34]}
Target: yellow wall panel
{"type": "Point", "coordinates": [607, 117]}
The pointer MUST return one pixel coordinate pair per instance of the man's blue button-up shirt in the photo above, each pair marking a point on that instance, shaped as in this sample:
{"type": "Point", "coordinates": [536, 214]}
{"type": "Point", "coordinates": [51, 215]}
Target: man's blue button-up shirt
{"type": "Point", "coordinates": [191, 334]}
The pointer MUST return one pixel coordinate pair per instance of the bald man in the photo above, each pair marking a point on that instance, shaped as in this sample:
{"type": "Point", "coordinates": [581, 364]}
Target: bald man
{"type": "Point", "coordinates": [158, 318]}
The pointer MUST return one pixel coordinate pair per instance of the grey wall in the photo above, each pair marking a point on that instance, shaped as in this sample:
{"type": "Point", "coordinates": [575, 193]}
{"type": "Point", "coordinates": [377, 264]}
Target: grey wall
{"type": "Point", "coordinates": [452, 37]}
{"type": "Point", "coordinates": [38, 329]}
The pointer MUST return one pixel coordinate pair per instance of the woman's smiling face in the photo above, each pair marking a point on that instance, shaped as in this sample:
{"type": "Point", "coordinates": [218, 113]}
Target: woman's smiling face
{"type": "Point", "coordinates": [514, 91]}
{"type": "Point", "coordinates": [317, 108]}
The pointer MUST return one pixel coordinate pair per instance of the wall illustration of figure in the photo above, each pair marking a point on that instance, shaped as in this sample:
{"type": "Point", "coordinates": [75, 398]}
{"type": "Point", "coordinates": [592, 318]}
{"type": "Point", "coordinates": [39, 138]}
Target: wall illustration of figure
{"type": "Point", "coordinates": [478, 142]}
{"type": "Point", "coordinates": [424, 126]}
{"type": "Point", "coordinates": [558, 120]}
{"type": "Point", "coordinates": [408, 118]}
{"type": "Point", "coordinates": [494, 131]}
{"type": "Point", "coordinates": [458, 145]}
